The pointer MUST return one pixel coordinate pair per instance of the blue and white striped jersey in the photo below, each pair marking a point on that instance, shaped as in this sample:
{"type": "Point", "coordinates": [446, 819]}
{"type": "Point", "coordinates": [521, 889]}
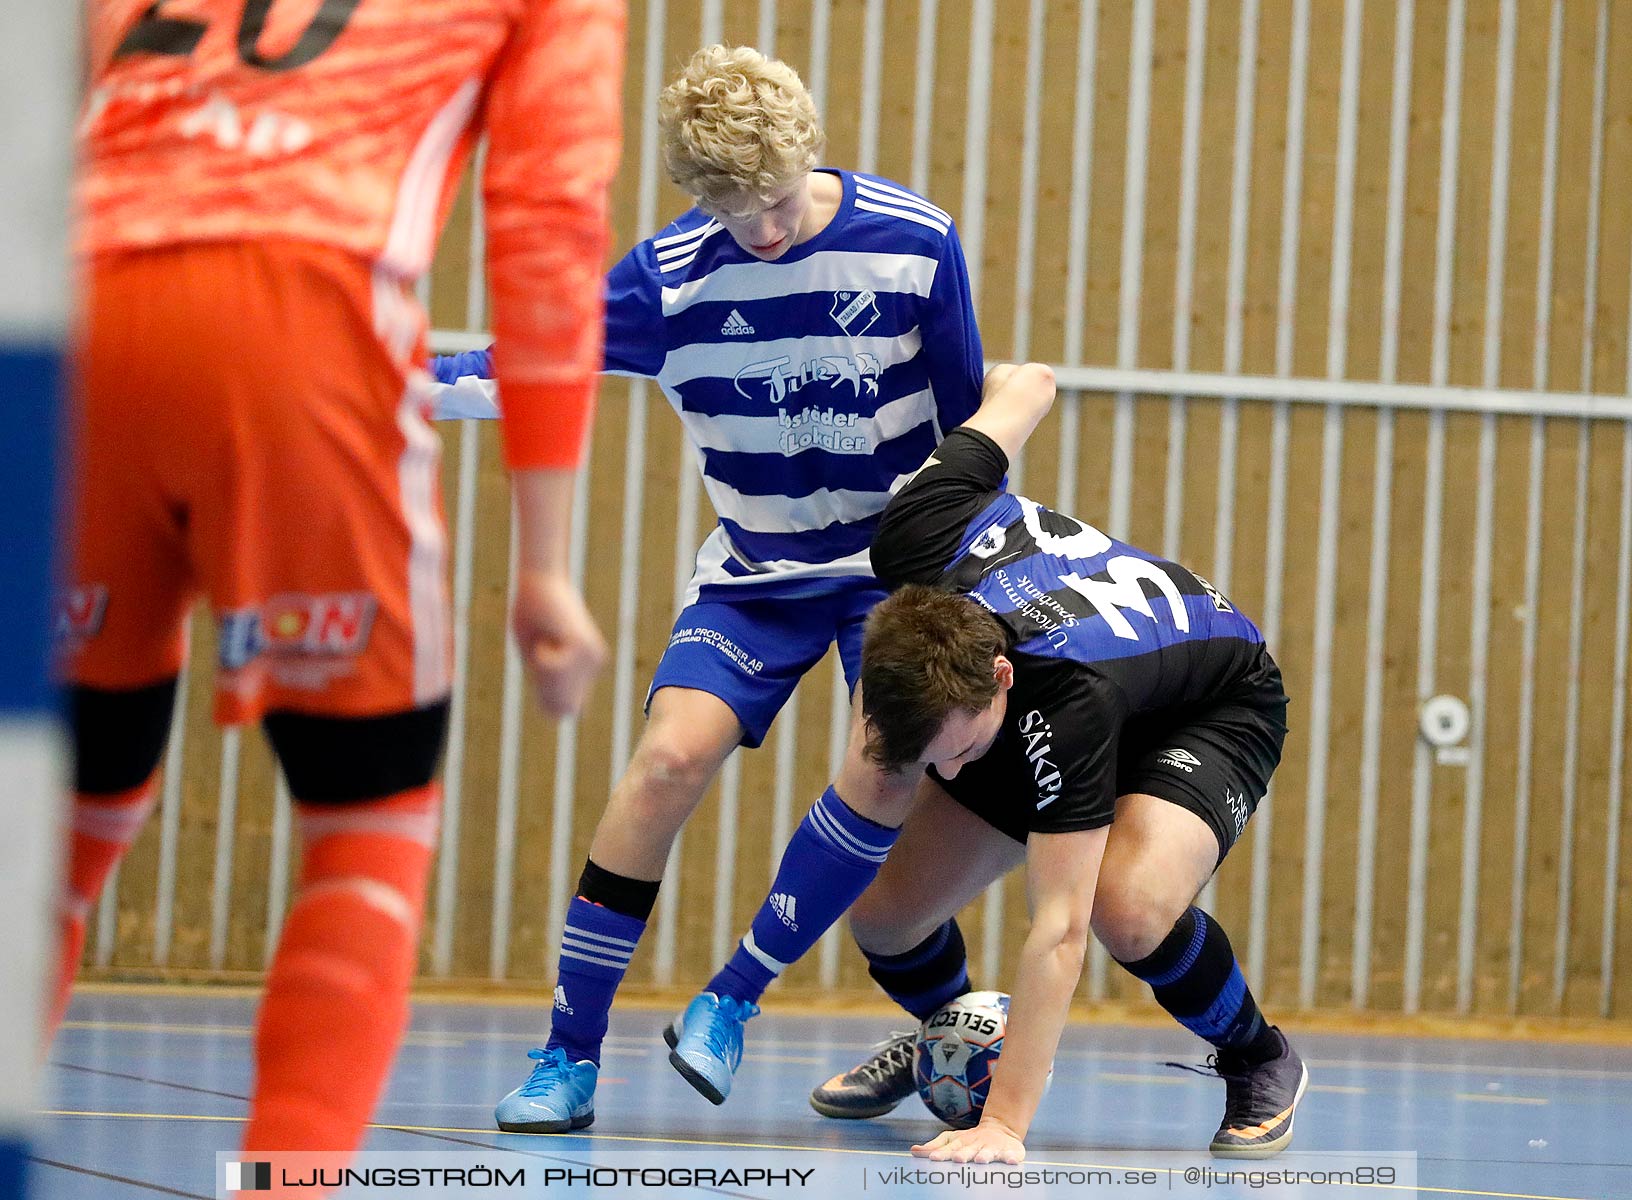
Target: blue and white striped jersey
{"type": "Point", "coordinates": [811, 385]}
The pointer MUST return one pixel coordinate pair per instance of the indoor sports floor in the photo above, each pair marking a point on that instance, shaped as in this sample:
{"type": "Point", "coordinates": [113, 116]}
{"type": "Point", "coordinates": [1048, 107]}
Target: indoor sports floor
{"type": "Point", "coordinates": [143, 1089]}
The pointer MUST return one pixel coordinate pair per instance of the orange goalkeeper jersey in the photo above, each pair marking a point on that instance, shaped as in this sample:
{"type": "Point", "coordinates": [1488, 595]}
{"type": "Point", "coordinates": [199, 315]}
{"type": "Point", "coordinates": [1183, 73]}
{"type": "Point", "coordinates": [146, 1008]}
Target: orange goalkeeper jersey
{"type": "Point", "coordinates": [347, 123]}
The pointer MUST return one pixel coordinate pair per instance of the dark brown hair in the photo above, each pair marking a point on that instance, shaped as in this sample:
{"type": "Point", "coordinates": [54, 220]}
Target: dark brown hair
{"type": "Point", "coordinates": [925, 654]}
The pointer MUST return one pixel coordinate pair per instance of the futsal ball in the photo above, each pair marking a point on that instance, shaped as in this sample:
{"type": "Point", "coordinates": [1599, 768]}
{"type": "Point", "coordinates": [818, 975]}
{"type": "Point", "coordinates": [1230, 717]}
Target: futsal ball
{"type": "Point", "coordinates": [957, 1049]}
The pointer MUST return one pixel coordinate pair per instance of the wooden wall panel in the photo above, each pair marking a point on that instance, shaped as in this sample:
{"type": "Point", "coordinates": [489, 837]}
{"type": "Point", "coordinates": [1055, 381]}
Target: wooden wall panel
{"type": "Point", "coordinates": [1584, 313]}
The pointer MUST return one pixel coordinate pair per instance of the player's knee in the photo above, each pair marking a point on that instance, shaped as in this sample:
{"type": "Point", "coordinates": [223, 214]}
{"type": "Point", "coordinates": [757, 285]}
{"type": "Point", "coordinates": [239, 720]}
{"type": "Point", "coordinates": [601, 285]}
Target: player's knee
{"type": "Point", "coordinates": [881, 926]}
{"type": "Point", "coordinates": [673, 769]}
{"type": "Point", "coordinates": [119, 736]}
{"type": "Point", "coordinates": [341, 760]}
{"type": "Point", "coordinates": [1036, 374]}
{"type": "Point", "coordinates": [884, 797]}
{"type": "Point", "coordinates": [1132, 916]}
{"type": "Point", "coordinates": [871, 933]}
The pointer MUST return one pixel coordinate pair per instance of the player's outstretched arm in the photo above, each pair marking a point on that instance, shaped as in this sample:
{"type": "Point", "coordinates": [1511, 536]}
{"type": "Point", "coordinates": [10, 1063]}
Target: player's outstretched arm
{"type": "Point", "coordinates": [1013, 401]}
{"type": "Point", "coordinates": [1062, 870]}
{"type": "Point", "coordinates": [463, 386]}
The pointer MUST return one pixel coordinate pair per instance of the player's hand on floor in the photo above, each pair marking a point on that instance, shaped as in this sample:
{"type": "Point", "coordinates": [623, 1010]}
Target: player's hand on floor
{"type": "Point", "coordinates": [560, 644]}
{"type": "Point", "coordinates": [990, 1141]}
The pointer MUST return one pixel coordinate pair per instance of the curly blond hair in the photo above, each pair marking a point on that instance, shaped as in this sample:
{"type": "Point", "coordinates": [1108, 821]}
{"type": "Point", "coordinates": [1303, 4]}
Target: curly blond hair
{"type": "Point", "coordinates": [737, 125]}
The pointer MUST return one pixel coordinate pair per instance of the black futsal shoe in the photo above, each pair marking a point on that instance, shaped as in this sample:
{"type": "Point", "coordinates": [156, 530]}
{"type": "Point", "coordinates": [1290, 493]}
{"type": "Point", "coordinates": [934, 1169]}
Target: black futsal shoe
{"type": "Point", "coordinates": [1259, 1101]}
{"type": "Point", "coordinates": [874, 1086]}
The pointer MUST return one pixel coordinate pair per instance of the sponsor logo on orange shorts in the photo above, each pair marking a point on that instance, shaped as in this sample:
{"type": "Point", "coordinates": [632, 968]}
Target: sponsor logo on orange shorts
{"type": "Point", "coordinates": [297, 626]}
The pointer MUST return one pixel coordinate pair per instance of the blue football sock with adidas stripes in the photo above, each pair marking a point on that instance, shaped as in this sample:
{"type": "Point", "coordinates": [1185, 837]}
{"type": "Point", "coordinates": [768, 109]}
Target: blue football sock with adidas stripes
{"type": "Point", "coordinates": [596, 946]}
{"type": "Point", "coordinates": [830, 860]}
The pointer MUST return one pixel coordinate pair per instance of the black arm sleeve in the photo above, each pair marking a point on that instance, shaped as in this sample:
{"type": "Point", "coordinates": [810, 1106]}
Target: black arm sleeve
{"type": "Point", "coordinates": [919, 531]}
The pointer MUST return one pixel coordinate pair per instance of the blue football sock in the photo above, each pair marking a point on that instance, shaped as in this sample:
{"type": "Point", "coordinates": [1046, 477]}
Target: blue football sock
{"type": "Point", "coordinates": [595, 949]}
{"type": "Point", "coordinates": [1195, 976]}
{"type": "Point", "coordinates": [830, 860]}
{"type": "Point", "coordinates": [929, 975]}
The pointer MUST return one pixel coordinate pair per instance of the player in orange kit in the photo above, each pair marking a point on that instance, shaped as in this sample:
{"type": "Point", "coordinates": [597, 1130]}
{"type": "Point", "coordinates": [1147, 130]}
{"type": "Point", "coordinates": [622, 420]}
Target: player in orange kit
{"type": "Point", "coordinates": [260, 186]}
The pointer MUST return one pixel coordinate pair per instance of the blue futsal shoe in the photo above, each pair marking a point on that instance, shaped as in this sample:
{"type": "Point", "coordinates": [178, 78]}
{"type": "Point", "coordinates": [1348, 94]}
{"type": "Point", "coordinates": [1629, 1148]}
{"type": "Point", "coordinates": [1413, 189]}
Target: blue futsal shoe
{"type": "Point", "coordinates": [705, 1042]}
{"type": "Point", "coordinates": [558, 1096]}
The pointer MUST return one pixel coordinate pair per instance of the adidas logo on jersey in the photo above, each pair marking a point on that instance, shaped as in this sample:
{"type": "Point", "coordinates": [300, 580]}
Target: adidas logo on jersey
{"type": "Point", "coordinates": [783, 905]}
{"type": "Point", "coordinates": [1180, 758]}
{"type": "Point", "coordinates": [736, 326]}
{"type": "Point", "coordinates": [561, 1005]}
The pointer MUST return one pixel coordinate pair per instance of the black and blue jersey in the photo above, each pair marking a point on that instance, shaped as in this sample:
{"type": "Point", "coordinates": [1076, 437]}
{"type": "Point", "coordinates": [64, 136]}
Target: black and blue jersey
{"type": "Point", "coordinates": [1105, 638]}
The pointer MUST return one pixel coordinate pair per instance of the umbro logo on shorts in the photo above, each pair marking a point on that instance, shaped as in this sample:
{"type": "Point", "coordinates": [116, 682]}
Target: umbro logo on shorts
{"type": "Point", "coordinates": [736, 325]}
{"type": "Point", "coordinates": [1180, 758]}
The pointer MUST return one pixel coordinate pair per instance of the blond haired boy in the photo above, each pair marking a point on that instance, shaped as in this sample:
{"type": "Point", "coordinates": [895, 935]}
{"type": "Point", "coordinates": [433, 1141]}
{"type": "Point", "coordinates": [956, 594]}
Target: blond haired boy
{"type": "Point", "coordinates": [813, 330]}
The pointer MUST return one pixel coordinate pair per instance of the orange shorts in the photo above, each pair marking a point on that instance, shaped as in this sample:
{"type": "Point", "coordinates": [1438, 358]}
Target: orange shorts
{"type": "Point", "coordinates": [252, 428]}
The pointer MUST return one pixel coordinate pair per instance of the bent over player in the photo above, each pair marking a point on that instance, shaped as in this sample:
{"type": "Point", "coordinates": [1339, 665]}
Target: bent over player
{"type": "Point", "coordinates": [812, 328]}
{"type": "Point", "coordinates": [1100, 714]}
{"type": "Point", "coordinates": [261, 186]}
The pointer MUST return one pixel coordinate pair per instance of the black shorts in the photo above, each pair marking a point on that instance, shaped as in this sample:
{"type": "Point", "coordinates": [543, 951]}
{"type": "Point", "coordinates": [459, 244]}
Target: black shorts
{"type": "Point", "coordinates": [1214, 760]}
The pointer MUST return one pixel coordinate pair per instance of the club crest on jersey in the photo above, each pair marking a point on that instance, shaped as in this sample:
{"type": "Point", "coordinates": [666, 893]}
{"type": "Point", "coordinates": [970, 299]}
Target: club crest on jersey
{"type": "Point", "coordinates": [775, 379]}
{"type": "Point", "coordinates": [1038, 736]}
{"type": "Point", "coordinates": [80, 613]}
{"type": "Point", "coordinates": [855, 312]}
{"type": "Point", "coordinates": [295, 624]}
{"type": "Point", "coordinates": [990, 542]}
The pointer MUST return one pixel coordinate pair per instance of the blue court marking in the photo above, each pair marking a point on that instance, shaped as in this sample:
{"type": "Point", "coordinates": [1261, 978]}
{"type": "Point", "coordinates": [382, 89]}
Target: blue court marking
{"type": "Point", "coordinates": [144, 1089]}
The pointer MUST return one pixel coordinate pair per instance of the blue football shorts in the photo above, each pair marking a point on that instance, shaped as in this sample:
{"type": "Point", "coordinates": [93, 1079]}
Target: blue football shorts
{"type": "Point", "coordinates": [751, 652]}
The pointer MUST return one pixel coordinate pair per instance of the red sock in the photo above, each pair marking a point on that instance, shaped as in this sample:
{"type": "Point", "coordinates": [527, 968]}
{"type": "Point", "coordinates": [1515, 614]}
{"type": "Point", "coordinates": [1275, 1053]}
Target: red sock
{"type": "Point", "coordinates": [102, 828]}
{"type": "Point", "coordinates": [337, 994]}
